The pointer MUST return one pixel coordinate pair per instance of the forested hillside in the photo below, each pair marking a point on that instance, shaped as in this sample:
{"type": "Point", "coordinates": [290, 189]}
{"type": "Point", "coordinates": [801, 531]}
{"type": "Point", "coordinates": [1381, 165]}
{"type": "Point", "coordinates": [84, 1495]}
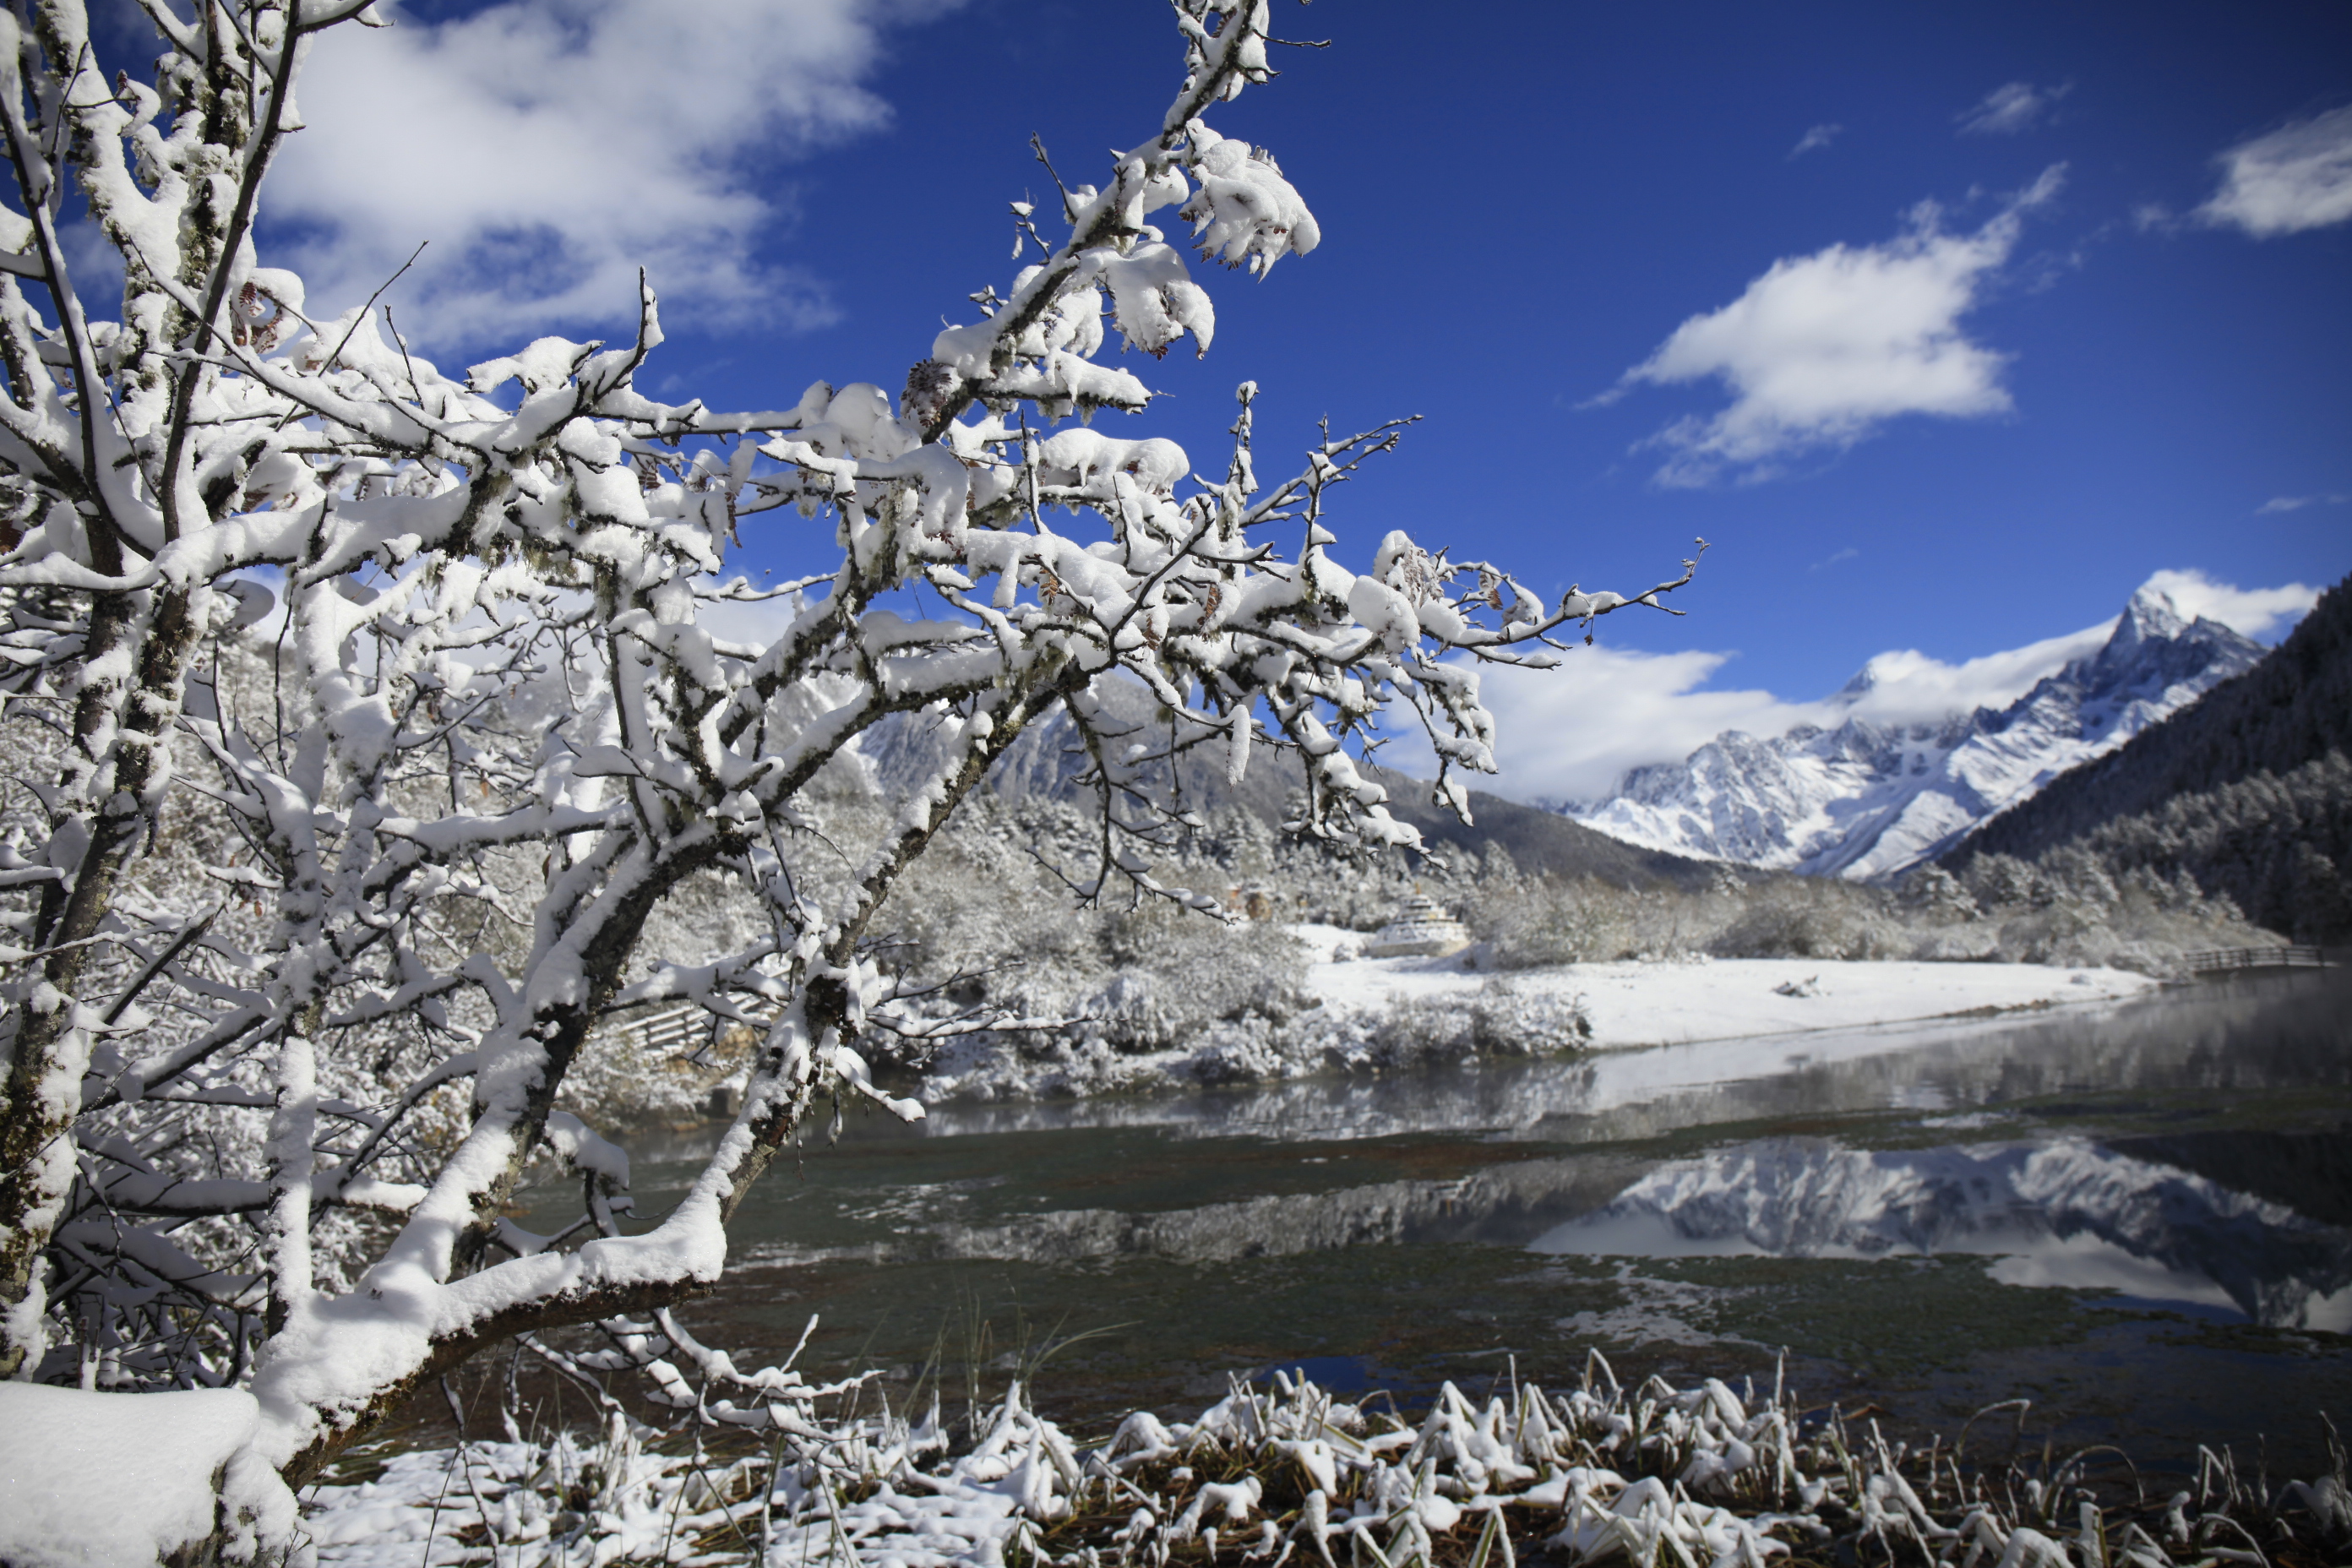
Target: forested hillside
{"type": "Point", "coordinates": [2293, 708]}
{"type": "Point", "coordinates": [2249, 790]}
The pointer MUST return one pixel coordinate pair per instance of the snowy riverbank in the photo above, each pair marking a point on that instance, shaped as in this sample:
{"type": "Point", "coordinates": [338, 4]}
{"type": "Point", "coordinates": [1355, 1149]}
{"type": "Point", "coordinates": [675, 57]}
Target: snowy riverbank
{"type": "Point", "coordinates": [1360, 1014]}
{"type": "Point", "coordinates": [1677, 1002]}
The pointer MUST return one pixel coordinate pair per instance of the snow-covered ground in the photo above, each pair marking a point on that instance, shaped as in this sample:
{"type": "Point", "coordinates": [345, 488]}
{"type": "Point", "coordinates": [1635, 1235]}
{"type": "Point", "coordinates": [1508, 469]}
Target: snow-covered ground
{"type": "Point", "coordinates": [1387, 1012]}
{"type": "Point", "coordinates": [1637, 1003]}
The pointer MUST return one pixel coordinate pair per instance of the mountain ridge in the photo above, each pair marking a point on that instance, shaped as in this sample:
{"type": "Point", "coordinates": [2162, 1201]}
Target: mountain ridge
{"type": "Point", "coordinates": [1868, 800]}
{"type": "Point", "coordinates": [2292, 709]}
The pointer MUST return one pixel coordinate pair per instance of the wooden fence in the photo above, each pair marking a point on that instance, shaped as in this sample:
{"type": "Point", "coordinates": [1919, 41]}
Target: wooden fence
{"type": "Point", "coordinates": [680, 1029]}
{"type": "Point", "coordinates": [2221, 960]}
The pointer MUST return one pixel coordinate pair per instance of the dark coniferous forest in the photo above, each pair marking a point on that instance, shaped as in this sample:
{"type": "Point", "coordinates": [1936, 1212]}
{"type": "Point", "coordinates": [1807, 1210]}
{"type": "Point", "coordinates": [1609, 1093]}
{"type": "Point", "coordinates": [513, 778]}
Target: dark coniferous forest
{"type": "Point", "coordinates": [2248, 790]}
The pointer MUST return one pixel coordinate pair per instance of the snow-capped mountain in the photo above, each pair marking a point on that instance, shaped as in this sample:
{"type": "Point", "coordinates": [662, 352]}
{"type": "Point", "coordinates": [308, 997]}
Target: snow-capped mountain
{"type": "Point", "coordinates": [1868, 799]}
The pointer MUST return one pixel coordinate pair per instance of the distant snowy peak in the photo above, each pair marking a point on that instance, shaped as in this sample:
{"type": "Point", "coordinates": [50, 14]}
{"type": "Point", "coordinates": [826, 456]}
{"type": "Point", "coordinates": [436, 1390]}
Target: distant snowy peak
{"type": "Point", "coordinates": [1886, 667]}
{"type": "Point", "coordinates": [1872, 798]}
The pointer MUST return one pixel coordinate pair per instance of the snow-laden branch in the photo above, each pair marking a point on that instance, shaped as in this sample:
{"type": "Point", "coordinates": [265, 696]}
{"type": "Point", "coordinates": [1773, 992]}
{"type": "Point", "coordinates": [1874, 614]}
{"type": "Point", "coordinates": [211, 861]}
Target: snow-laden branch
{"type": "Point", "coordinates": [363, 715]}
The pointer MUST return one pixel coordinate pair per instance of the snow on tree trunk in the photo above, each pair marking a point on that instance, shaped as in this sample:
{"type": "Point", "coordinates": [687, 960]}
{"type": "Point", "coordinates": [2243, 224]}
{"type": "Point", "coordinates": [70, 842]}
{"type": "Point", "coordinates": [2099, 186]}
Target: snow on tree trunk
{"type": "Point", "coordinates": [367, 715]}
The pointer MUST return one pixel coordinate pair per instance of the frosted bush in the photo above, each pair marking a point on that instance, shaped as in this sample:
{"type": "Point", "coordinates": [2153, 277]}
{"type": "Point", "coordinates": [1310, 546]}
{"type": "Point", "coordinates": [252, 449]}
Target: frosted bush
{"type": "Point", "coordinates": [1555, 920]}
{"type": "Point", "coordinates": [1174, 976]}
{"type": "Point", "coordinates": [1500, 1019]}
{"type": "Point", "coordinates": [1796, 919]}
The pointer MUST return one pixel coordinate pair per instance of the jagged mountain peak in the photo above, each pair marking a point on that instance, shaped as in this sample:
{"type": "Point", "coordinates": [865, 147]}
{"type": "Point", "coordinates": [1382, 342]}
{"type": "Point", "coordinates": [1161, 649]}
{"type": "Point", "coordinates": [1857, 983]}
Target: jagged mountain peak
{"type": "Point", "coordinates": [2153, 637]}
{"type": "Point", "coordinates": [2151, 614]}
{"type": "Point", "coordinates": [1866, 680]}
{"type": "Point", "coordinates": [1869, 800]}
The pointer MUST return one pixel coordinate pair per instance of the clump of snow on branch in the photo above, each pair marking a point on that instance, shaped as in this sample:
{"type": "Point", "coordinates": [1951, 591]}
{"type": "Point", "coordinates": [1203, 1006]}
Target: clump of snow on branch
{"type": "Point", "coordinates": [370, 714]}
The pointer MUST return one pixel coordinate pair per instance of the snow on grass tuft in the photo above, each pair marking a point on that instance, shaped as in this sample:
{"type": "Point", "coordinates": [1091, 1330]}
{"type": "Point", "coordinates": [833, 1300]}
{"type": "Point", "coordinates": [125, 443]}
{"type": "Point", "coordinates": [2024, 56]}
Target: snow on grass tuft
{"type": "Point", "coordinates": [1646, 1474]}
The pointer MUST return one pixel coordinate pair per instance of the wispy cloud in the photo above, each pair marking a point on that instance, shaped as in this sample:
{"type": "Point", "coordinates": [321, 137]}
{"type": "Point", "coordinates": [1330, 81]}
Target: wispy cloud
{"type": "Point", "coordinates": [1823, 350]}
{"type": "Point", "coordinates": [2011, 108]}
{"type": "Point", "coordinates": [1904, 686]}
{"type": "Point", "coordinates": [1814, 141]}
{"type": "Point", "coordinates": [1832, 558]}
{"type": "Point", "coordinates": [2257, 612]}
{"type": "Point", "coordinates": [2297, 177]}
{"type": "Point", "coordinates": [550, 147]}
{"type": "Point", "coordinates": [2277, 504]}
{"type": "Point", "coordinates": [1571, 733]}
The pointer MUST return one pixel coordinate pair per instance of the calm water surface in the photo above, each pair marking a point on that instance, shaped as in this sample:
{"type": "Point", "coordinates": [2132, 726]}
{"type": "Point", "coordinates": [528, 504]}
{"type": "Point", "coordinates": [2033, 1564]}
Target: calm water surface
{"type": "Point", "coordinates": [2139, 1217]}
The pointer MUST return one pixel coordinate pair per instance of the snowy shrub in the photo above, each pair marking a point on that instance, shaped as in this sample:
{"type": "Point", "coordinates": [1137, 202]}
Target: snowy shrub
{"type": "Point", "coordinates": [1174, 975]}
{"type": "Point", "coordinates": [1499, 1020]}
{"type": "Point", "coordinates": [1508, 1021]}
{"type": "Point", "coordinates": [475, 774]}
{"type": "Point", "coordinates": [1812, 918]}
{"type": "Point", "coordinates": [1556, 921]}
{"type": "Point", "coordinates": [1929, 895]}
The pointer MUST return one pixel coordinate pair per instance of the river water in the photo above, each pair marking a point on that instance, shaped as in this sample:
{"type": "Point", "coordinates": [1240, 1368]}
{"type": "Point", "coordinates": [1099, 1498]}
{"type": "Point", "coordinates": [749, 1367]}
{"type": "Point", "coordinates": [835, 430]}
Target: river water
{"type": "Point", "coordinates": [2138, 1217]}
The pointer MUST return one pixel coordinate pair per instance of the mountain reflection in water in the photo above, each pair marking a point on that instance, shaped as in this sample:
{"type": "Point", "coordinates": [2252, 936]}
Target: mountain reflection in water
{"type": "Point", "coordinates": [2245, 1221]}
{"type": "Point", "coordinates": [2060, 1212]}
{"type": "Point", "coordinates": [2190, 1154]}
{"type": "Point", "coordinates": [2065, 1212]}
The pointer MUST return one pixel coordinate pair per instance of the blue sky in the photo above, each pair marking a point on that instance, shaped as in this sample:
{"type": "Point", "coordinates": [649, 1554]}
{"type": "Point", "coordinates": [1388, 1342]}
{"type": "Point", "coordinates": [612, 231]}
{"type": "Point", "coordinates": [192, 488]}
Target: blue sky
{"type": "Point", "coordinates": [2043, 366]}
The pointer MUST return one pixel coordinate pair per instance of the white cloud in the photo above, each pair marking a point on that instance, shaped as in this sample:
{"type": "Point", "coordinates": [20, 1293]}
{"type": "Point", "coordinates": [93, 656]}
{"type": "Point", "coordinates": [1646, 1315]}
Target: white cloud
{"type": "Point", "coordinates": [2256, 611]}
{"type": "Point", "coordinates": [2297, 177]}
{"type": "Point", "coordinates": [1814, 140]}
{"type": "Point", "coordinates": [1822, 349]}
{"type": "Point", "coordinates": [760, 622]}
{"type": "Point", "coordinates": [1832, 558]}
{"type": "Point", "coordinates": [2011, 108]}
{"type": "Point", "coordinates": [1907, 687]}
{"type": "Point", "coordinates": [1568, 734]}
{"type": "Point", "coordinates": [547, 149]}
{"type": "Point", "coordinates": [2277, 504]}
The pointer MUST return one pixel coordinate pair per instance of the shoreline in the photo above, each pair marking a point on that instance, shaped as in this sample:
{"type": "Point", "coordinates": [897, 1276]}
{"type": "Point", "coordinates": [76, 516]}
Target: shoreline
{"type": "Point", "coordinates": [1369, 1017]}
{"type": "Point", "coordinates": [1635, 1004]}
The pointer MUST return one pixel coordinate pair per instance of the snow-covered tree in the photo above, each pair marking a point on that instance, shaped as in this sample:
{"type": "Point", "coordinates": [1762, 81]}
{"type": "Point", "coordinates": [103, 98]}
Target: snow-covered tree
{"type": "Point", "coordinates": [481, 664]}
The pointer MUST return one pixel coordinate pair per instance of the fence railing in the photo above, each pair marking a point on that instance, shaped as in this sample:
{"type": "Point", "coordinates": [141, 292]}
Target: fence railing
{"type": "Point", "coordinates": [683, 1028]}
{"type": "Point", "coordinates": [2219, 960]}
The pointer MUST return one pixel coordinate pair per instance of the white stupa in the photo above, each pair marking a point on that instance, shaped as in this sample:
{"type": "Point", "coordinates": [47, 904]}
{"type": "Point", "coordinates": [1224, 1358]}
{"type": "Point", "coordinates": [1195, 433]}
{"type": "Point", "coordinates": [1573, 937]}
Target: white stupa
{"type": "Point", "coordinates": [1421, 929]}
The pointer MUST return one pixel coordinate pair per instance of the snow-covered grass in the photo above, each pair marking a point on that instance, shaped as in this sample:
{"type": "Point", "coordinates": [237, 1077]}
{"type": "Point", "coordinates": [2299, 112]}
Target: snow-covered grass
{"type": "Point", "coordinates": [1648, 1474]}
